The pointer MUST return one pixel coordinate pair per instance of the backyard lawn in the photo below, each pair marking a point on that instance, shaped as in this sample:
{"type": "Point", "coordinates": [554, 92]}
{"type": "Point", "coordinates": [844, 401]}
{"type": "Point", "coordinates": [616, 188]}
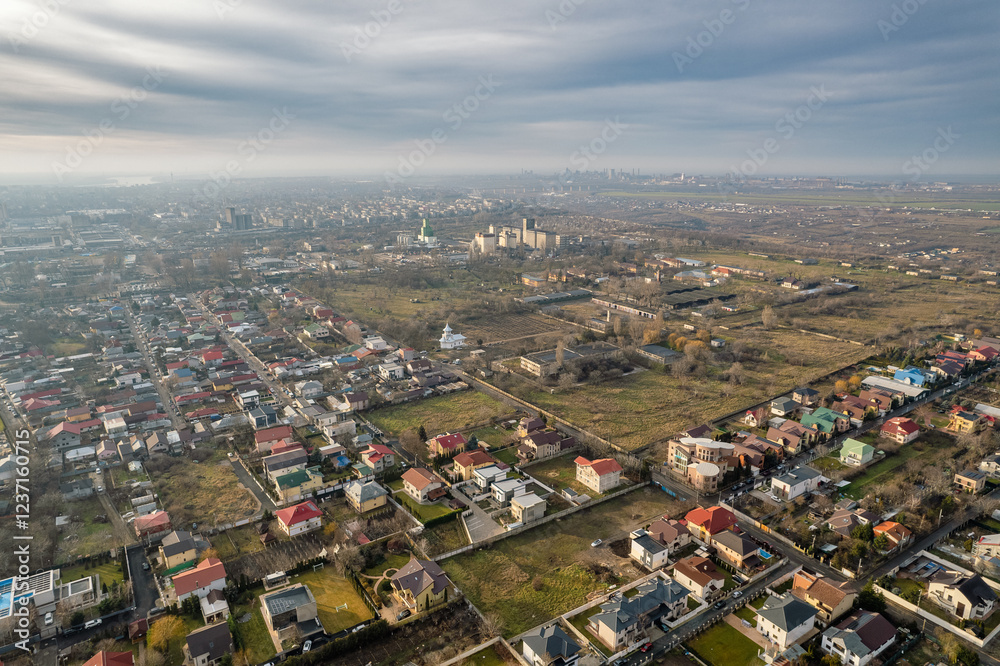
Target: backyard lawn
{"type": "Point", "coordinates": [110, 573]}
{"type": "Point", "coordinates": [552, 557]}
{"type": "Point", "coordinates": [235, 542]}
{"type": "Point", "coordinates": [446, 413]}
{"type": "Point", "coordinates": [332, 591]}
{"type": "Point", "coordinates": [559, 473]}
{"type": "Point", "coordinates": [580, 621]}
{"type": "Point", "coordinates": [880, 470]}
{"type": "Point", "coordinates": [486, 657]}
{"type": "Point", "coordinates": [425, 512]}
{"type": "Point", "coordinates": [722, 645]}
{"type": "Point", "coordinates": [391, 561]}
{"type": "Point", "coordinates": [253, 635]}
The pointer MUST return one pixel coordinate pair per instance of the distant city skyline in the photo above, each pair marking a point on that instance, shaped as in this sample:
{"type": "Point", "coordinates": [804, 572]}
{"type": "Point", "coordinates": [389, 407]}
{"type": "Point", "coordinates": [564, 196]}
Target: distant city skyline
{"type": "Point", "coordinates": [398, 89]}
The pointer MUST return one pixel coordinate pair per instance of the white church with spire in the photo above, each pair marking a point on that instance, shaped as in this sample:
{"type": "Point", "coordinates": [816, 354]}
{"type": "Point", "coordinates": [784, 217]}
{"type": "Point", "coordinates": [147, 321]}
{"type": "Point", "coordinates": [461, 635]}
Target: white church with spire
{"type": "Point", "coordinates": [450, 340]}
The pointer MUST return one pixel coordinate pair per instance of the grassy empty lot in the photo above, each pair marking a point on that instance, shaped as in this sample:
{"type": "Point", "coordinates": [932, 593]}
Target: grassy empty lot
{"type": "Point", "coordinates": [84, 536]}
{"type": "Point", "coordinates": [445, 538]}
{"type": "Point", "coordinates": [331, 591]}
{"type": "Point", "coordinates": [932, 447]}
{"type": "Point", "coordinates": [439, 414]}
{"type": "Point", "coordinates": [235, 542]}
{"type": "Point", "coordinates": [500, 578]}
{"type": "Point", "coordinates": [488, 656]}
{"type": "Point", "coordinates": [650, 406]}
{"type": "Point", "coordinates": [206, 493]}
{"type": "Point", "coordinates": [722, 645]}
{"type": "Point", "coordinates": [494, 436]}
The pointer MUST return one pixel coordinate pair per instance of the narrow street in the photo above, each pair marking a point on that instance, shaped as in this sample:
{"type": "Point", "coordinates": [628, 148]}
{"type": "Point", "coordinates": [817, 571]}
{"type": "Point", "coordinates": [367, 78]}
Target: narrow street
{"type": "Point", "coordinates": [246, 478]}
{"type": "Point", "coordinates": [154, 374]}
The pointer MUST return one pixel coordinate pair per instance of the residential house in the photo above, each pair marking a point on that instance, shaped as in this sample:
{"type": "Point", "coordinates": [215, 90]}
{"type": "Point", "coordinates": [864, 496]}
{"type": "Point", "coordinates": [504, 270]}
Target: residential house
{"type": "Point", "coordinates": [364, 497]}
{"type": "Point", "coordinates": [971, 481]}
{"type": "Point", "coordinates": [484, 477]}
{"type": "Point", "coordinates": [214, 607]}
{"type": "Point", "coordinates": [910, 375]}
{"type": "Point", "coordinates": [784, 406]}
{"type": "Point", "coordinates": [210, 574]}
{"type": "Point", "coordinates": [391, 371]}
{"type": "Point", "coordinates": [844, 521]}
{"type": "Point", "coordinates": [316, 332]}
{"type": "Point", "coordinates": [505, 490]}
{"type": "Point", "coordinates": [855, 453]}
{"type": "Point", "coordinates": [706, 523]}
{"type": "Point", "coordinates": [699, 575]}
{"type": "Point", "coordinates": [991, 465]}
{"type": "Point", "coordinates": [279, 464]}
{"type": "Point", "coordinates": [897, 536]}
{"type": "Point", "coordinates": [683, 452]}
{"type": "Point", "coordinates": [964, 422]}
{"type": "Point", "coordinates": [379, 457]}
{"type": "Point", "coordinates": [423, 485]}
{"type": "Point", "coordinates": [177, 548]}
{"type": "Point", "coordinates": [796, 482]}
{"type": "Point", "coordinates": [829, 598]}
{"type": "Point", "coordinates": [528, 425]}
{"type": "Point", "coordinates": [900, 429]}
{"type": "Point", "coordinates": [987, 546]}
{"type": "Point", "coordinates": [298, 485]}
{"type": "Point", "coordinates": [705, 476]}
{"type": "Point", "coordinates": [550, 646]}
{"type": "Point", "coordinates": [467, 462]}
{"type": "Point", "coordinates": [785, 620]}
{"type": "Point", "coordinates": [105, 658]}
{"type": "Point", "coordinates": [420, 585]}
{"type": "Point", "coordinates": [152, 524]}
{"type": "Point", "coordinates": [827, 421]}
{"type": "Point", "coordinates": [299, 519]}
{"type": "Point", "coordinates": [447, 445]}
{"type": "Point", "coordinates": [966, 596]}
{"type": "Point", "coordinates": [793, 437]}
{"type": "Point", "coordinates": [624, 620]}
{"type": "Point", "coordinates": [859, 639]}
{"type": "Point", "coordinates": [737, 550]}
{"type": "Point", "coordinates": [805, 396]}
{"type": "Point", "coordinates": [883, 399]}
{"type": "Point", "coordinates": [291, 613]}
{"type": "Point", "coordinates": [309, 389]}
{"type": "Point", "coordinates": [983, 354]}
{"type": "Point", "coordinates": [527, 508]}
{"type": "Point", "coordinates": [357, 400]}
{"type": "Point", "coordinates": [208, 645]}
{"type": "Point", "coordinates": [670, 533]}
{"type": "Point", "coordinates": [262, 416]}
{"type": "Point", "coordinates": [542, 444]}
{"type": "Point", "coordinates": [647, 551]}
{"type": "Point", "coordinates": [600, 475]}
{"type": "Point", "coordinates": [703, 431]}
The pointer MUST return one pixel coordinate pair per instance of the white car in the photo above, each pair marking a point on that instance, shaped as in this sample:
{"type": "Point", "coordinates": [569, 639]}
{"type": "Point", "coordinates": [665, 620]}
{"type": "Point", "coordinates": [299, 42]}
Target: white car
{"type": "Point", "coordinates": [92, 623]}
{"type": "Point", "coordinates": [307, 646]}
{"type": "Point", "coordinates": [596, 542]}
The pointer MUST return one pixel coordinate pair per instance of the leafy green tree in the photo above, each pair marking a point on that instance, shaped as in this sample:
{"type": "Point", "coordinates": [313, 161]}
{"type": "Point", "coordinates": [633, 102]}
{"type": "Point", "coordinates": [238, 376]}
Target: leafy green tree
{"type": "Point", "coordinates": [870, 599]}
{"type": "Point", "coordinates": [422, 433]}
{"type": "Point", "coordinates": [864, 532]}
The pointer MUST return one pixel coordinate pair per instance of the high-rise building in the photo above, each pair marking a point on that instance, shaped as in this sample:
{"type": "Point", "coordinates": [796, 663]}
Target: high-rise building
{"type": "Point", "coordinates": [238, 222]}
{"type": "Point", "coordinates": [486, 243]}
{"type": "Point", "coordinates": [427, 234]}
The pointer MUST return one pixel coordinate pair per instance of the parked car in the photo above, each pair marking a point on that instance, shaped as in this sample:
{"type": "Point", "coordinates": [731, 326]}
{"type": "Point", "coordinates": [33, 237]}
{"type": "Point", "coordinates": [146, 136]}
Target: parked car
{"type": "Point", "coordinates": [307, 646]}
{"type": "Point", "coordinates": [719, 605]}
{"type": "Point", "coordinates": [403, 614]}
{"type": "Point", "coordinates": [646, 647]}
{"type": "Point", "coordinates": [145, 566]}
{"type": "Point", "coordinates": [48, 619]}
{"type": "Point", "coordinates": [737, 594]}
{"type": "Point", "coordinates": [92, 623]}
{"type": "Point", "coordinates": [596, 542]}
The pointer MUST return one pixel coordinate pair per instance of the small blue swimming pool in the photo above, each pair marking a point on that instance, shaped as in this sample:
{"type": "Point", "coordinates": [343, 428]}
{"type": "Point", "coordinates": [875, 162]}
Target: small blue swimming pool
{"type": "Point", "coordinates": [764, 554]}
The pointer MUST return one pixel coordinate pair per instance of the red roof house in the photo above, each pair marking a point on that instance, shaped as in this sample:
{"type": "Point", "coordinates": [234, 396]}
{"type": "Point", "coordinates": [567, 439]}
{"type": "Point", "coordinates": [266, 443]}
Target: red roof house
{"type": "Point", "coordinates": [446, 445]}
{"type": "Point", "coordinates": [210, 574]}
{"type": "Point", "coordinates": [300, 518]}
{"type": "Point", "coordinates": [901, 429]}
{"type": "Point", "coordinates": [706, 523]}
{"type": "Point", "coordinates": [104, 658]}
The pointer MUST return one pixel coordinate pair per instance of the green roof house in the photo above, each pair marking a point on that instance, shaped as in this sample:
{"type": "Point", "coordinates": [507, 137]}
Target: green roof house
{"type": "Point", "coordinates": [855, 453]}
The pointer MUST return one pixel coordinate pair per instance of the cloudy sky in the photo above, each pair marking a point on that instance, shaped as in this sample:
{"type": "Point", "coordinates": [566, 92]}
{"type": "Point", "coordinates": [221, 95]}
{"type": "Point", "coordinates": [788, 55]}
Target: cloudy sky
{"type": "Point", "coordinates": [273, 87]}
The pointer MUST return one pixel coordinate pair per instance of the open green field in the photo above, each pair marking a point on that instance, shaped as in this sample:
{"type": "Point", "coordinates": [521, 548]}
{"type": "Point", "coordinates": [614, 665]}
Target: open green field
{"type": "Point", "coordinates": [445, 413]}
{"type": "Point", "coordinates": [825, 199]}
{"type": "Point", "coordinates": [651, 406]}
{"type": "Point", "coordinates": [66, 347]}
{"type": "Point", "coordinates": [205, 493]}
{"type": "Point", "coordinates": [494, 436]}
{"type": "Point", "coordinates": [722, 645]}
{"type": "Point", "coordinates": [500, 578]}
{"type": "Point", "coordinates": [331, 591]}
{"type": "Point", "coordinates": [931, 448]}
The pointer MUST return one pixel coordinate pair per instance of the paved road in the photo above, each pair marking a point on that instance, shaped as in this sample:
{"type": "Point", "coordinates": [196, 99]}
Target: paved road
{"type": "Point", "coordinates": [154, 373]}
{"type": "Point", "coordinates": [250, 483]}
{"type": "Point", "coordinates": [244, 352]}
{"type": "Point", "coordinates": [144, 590]}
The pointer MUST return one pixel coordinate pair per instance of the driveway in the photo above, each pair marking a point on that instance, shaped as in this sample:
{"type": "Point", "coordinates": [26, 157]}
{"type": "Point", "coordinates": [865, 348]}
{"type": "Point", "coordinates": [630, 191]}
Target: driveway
{"type": "Point", "coordinates": [144, 590]}
{"type": "Point", "coordinates": [479, 524]}
{"type": "Point", "coordinates": [250, 483]}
